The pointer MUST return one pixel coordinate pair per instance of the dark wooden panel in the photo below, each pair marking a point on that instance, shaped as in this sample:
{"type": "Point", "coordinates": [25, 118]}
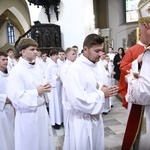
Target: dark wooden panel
{"type": "Point", "coordinates": [47, 35]}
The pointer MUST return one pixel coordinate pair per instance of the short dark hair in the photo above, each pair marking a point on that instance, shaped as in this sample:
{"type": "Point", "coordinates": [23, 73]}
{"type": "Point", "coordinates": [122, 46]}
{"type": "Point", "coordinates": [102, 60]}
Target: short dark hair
{"type": "Point", "coordinates": [10, 49]}
{"type": "Point", "coordinates": [53, 51]}
{"type": "Point", "coordinates": [74, 46]}
{"type": "Point", "coordinates": [43, 52]}
{"type": "Point", "coordinates": [61, 50]}
{"type": "Point", "coordinates": [93, 39]}
{"type": "Point", "coordinates": [25, 43]}
{"type": "Point", "coordinates": [3, 54]}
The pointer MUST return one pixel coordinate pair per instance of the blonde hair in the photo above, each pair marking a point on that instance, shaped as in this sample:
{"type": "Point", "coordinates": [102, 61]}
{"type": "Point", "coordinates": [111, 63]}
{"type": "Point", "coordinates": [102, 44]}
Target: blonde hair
{"type": "Point", "coordinates": [69, 49]}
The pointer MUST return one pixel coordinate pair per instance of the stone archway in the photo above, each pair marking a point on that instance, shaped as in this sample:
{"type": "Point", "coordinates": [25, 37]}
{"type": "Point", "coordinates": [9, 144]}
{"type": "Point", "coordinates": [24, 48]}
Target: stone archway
{"type": "Point", "coordinates": [7, 15]}
{"type": "Point", "coordinates": [17, 13]}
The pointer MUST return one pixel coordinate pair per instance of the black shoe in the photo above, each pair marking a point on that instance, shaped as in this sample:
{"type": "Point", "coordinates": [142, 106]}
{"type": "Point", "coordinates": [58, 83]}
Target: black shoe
{"type": "Point", "coordinates": [105, 113]}
{"type": "Point", "coordinates": [56, 126]}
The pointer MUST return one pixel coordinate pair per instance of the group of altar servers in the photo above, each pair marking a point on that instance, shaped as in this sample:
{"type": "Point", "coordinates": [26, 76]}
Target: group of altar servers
{"type": "Point", "coordinates": [76, 89]}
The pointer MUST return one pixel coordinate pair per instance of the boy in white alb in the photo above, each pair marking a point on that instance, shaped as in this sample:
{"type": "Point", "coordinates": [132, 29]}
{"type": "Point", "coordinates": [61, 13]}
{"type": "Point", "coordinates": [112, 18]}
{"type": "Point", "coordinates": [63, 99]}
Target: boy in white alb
{"type": "Point", "coordinates": [55, 96]}
{"type": "Point", "coordinates": [27, 91]}
{"type": "Point", "coordinates": [6, 109]}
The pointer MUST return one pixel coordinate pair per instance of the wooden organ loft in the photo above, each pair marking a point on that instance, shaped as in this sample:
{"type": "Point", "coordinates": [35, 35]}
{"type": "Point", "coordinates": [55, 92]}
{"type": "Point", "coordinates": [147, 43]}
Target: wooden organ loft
{"type": "Point", "coordinates": [48, 36]}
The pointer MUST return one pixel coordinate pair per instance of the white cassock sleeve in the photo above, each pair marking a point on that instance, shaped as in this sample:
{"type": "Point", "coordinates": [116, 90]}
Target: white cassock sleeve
{"type": "Point", "coordinates": [2, 101]}
{"type": "Point", "coordinates": [23, 98]}
{"type": "Point", "coordinates": [139, 89]}
{"type": "Point", "coordinates": [134, 66]}
{"type": "Point", "coordinates": [81, 92]}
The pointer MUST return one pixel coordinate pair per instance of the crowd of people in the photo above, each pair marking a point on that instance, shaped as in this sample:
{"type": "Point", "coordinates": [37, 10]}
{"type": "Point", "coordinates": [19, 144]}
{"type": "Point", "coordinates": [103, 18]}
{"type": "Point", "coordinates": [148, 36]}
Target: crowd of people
{"type": "Point", "coordinates": [41, 91]}
{"type": "Point", "coordinates": [36, 82]}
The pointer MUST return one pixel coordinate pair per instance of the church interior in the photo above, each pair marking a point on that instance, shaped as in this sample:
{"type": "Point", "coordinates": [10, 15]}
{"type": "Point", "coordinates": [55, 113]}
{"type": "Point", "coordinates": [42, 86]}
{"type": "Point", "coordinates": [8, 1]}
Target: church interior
{"type": "Point", "coordinates": [64, 23]}
{"type": "Point", "coordinates": [71, 21]}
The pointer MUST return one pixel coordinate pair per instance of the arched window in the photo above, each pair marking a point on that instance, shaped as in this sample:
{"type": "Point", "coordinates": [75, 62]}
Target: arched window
{"type": "Point", "coordinates": [10, 33]}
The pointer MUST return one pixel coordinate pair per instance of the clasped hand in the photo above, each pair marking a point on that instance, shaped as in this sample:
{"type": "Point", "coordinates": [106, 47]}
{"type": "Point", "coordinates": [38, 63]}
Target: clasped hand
{"type": "Point", "coordinates": [110, 91]}
{"type": "Point", "coordinates": [44, 88]}
{"type": "Point", "coordinates": [131, 75]}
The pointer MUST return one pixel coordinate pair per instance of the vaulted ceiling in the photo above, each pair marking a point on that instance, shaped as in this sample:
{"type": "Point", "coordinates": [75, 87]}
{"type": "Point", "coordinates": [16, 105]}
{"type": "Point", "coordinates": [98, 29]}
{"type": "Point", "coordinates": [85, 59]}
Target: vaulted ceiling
{"type": "Point", "coordinates": [7, 15]}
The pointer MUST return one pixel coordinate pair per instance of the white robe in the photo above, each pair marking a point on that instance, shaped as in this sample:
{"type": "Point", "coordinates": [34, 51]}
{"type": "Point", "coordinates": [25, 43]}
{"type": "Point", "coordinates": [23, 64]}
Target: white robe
{"type": "Point", "coordinates": [43, 65]}
{"type": "Point", "coordinates": [6, 118]}
{"type": "Point", "coordinates": [60, 63]}
{"type": "Point", "coordinates": [32, 125]}
{"type": "Point", "coordinates": [139, 93]}
{"type": "Point", "coordinates": [11, 63]}
{"type": "Point", "coordinates": [63, 72]}
{"type": "Point", "coordinates": [104, 78]}
{"type": "Point", "coordinates": [84, 128]}
{"type": "Point", "coordinates": [111, 65]}
{"type": "Point", "coordinates": [55, 96]}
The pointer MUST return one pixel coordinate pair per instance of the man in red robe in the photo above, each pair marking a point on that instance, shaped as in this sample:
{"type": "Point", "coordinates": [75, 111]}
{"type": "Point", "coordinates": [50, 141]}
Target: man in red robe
{"type": "Point", "coordinates": [133, 136]}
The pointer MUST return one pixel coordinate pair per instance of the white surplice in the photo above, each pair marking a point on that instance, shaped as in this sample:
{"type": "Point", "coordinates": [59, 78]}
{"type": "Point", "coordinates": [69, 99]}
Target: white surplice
{"type": "Point", "coordinates": [43, 65]}
{"type": "Point", "coordinates": [55, 96]}
{"type": "Point", "coordinates": [6, 117]}
{"type": "Point", "coordinates": [139, 93]}
{"type": "Point", "coordinates": [60, 63]}
{"type": "Point", "coordinates": [11, 63]}
{"type": "Point", "coordinates": [104, 78]}
{"type": "Point", "coordinates": [32, 125]}
{"type": "Point", "coordinates": [111, 65]}
{"type": "Point", "coordinates": [63, 72]}
{"type": "Point", "coordinates": [84, 128]}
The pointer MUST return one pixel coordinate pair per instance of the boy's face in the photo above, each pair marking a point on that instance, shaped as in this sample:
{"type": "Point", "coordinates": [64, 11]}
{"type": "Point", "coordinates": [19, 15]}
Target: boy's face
{"type": "Point", "coordinates": [3, 63]}
{"type": "Point", "coordinates": [10, 54]}
{"type": "Point", "coordinates": [76, 49]}
{"type": "Point", "coordinates": [54, 57]}
{"type": "Point", "coordinates": [39, 53]}
{"type": "Point", "coordinates": [72, 55]}
{"type": "Point", "coordinates": [29, 53]}
{"type": "Point", "coordinates": [61, 56]}
{"type": "Point", "coordinates": [44, 56]}
{"type": "Point", "coordinates": [94, 53]}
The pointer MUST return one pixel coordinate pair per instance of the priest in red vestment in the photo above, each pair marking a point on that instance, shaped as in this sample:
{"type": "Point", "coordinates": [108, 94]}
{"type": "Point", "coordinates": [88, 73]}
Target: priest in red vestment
{"type": "Point", "coordinates": [137, 132]}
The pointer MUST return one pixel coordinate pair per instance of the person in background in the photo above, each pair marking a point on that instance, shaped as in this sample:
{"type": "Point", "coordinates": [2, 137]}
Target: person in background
{"type": "Point", "coordinates": [111, 55]}
{"type": "Point", "coordinates": [70, 58]}
{"type": "Point", "coordinates": [7, 116]}
{"type": "Point", "coordinates": [102, 67]}
{"type": "Point", "coordinates": [55, 105]}
{"type": "Point", "coordinates": [38, 57]}
{"type": "Point", "coordinates": [61, 58]}
{"type": "Point", "coordinates": [11, 59]}
{"type": "Point", "coordinates": [27, 90]}
{"type": "Point", "coordinates": [75, 47]}
{"type": "Point", "coordinates": [85, 96]}
{"type": "Point", "coordinates": [43, 63]}
{"type": "Point", "coordinates": [117, 61]}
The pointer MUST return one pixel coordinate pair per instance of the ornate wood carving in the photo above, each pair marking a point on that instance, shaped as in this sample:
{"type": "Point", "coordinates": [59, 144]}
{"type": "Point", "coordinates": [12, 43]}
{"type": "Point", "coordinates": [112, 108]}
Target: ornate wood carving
{"type": "Point", "coordinates": [47, 35]}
